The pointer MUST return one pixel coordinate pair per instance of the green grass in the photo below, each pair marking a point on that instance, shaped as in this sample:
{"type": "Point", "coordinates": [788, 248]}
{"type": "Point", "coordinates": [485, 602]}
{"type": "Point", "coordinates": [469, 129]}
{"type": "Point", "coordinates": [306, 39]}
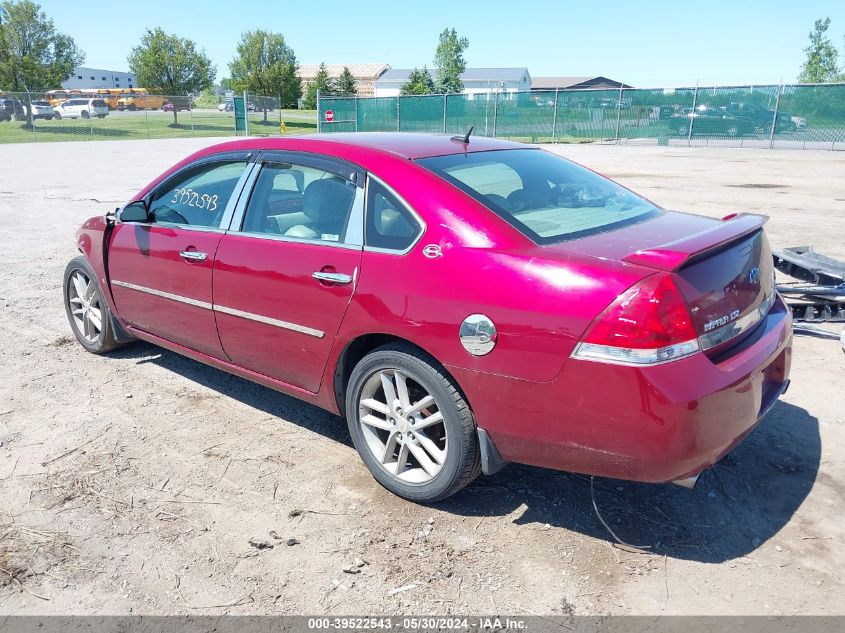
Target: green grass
{"type": "Point", "coordinates": [155, 124]}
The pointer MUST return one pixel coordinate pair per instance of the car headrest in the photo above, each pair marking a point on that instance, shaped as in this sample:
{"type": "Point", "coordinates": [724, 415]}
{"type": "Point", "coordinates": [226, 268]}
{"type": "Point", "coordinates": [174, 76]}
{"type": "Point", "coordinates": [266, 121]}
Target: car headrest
{"type": "Point", "coordinates": [327, 199]}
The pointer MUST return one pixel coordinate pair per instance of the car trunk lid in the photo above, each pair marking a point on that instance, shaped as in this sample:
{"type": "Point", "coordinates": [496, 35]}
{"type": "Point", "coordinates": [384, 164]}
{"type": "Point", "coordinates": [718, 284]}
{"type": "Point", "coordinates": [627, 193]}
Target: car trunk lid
{"type": "Point", "coordinates": [724, 269]}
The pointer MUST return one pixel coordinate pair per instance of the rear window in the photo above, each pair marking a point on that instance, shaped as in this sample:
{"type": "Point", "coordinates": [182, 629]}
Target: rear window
{"type": "Point", "coordinates": [546, 197]}
{"type": "Point", "coordinates": [99, 103]}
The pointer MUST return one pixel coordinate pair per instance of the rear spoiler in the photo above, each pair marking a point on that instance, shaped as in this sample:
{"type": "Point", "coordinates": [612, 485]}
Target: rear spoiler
{"type": "Point", "coordinates": [675, 255]}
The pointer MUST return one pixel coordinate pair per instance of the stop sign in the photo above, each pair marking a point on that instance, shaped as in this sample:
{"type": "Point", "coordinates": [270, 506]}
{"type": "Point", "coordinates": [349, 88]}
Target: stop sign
{"type": "Point", "coordinates": [329, 115]}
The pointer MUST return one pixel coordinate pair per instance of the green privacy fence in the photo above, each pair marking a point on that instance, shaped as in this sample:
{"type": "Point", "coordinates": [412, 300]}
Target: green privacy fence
{"type": "Point", "coordinates": [776, 116]}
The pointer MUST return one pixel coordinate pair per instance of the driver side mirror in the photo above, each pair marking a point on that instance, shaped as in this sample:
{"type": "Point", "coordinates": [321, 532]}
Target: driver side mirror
{"type": "Point", "coordinates": [135, 212]}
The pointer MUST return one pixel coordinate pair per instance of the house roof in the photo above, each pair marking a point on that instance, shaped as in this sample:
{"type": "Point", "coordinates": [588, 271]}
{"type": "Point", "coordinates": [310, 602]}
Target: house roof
{"type": "Point", "coordinates": [400, 75]}
{"type": "Point", "coordinates": [368, 71]}
{"type": "Point", "coordinates": [570, 82]}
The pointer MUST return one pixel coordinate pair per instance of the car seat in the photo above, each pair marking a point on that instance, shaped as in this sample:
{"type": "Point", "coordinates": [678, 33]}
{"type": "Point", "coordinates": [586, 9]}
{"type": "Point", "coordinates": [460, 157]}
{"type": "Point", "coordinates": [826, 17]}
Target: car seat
{"type": "Point", "coordinates": [325, 205]}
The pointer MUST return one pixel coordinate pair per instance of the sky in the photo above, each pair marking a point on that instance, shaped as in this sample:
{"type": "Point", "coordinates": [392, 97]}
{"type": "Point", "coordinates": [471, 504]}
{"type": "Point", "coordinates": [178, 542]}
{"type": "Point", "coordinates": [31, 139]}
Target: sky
{"type": "Point", "coordinates": [647, 44]}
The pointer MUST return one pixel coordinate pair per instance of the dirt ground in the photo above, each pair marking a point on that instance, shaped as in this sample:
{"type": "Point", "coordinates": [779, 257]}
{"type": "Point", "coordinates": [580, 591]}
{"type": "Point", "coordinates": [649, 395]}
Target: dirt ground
{"type": "Point", "coordinates": [145, 483]}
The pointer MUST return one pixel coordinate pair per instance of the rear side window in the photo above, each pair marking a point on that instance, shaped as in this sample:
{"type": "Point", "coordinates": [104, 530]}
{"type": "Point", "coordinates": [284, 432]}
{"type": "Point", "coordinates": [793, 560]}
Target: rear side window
{"type": "Point", "coordinates": [300, 202]}
{"type": "Point", "coordinates": [198, 196]}
{"type": "Point", "coordinates": [546, 197]}
{"type": "Point", "coordinates": [389, 225]}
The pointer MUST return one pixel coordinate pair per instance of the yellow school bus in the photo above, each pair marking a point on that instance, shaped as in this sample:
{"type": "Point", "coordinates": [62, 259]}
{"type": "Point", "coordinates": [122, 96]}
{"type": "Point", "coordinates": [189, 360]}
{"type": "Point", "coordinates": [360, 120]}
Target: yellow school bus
{"type": "Point", "coordinates": [110, 95]}
{"type": "Point", "coordinates": [55, 97]}
{"type": "Point", "coordinates": [139, 99]}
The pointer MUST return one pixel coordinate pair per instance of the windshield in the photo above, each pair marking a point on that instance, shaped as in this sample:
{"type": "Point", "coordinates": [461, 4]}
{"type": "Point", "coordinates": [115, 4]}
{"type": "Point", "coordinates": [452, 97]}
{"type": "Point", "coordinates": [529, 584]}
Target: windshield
{"type": "Point", "coordinates": [546, 197]}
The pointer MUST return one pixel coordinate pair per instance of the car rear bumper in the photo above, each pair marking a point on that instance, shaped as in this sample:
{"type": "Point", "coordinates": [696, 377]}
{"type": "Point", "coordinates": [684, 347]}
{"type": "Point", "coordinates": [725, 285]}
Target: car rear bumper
{"type": "Point", "coordinates": [653, 424]}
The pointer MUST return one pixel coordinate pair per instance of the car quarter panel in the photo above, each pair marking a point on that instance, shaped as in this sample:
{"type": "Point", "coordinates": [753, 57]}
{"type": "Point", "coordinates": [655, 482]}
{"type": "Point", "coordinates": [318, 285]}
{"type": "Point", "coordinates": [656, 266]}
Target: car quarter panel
{"type": "Point", "coordinates": [89, 241]}
{"type": "Point", "coordinates": [650, 424]}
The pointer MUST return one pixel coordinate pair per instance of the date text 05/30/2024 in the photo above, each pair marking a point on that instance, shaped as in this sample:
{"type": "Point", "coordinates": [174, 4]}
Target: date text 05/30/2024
{"type": "Point", "coordinates": [418, 623]}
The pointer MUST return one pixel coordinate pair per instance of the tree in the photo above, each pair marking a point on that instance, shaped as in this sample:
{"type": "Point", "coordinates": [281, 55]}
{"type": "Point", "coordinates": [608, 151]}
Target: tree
{"type": "Point", "coordinates": [170, 65]}
{"type": "Point", "coordinates": [226, 83]}
{"type": "Point", "coordinates": [33, 54]}
{"type": "Point", "coordinates": [419, 82]}
{"type": "Point", "coordinates": [450, 62]}
{"type": "Point", "coordinates": [266, 65]}
{"type": "Point", "coordinates": [822, 56]}
{"type": "Point", "coordinates": [345, 84]}
{"type": "Point", "coordinates": [321, 82]}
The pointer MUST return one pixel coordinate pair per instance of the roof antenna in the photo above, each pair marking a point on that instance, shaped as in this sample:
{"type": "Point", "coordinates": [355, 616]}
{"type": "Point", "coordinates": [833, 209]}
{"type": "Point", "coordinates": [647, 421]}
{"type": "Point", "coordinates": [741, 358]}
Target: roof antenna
{"type": "Point", "coordinates": [463, 139]}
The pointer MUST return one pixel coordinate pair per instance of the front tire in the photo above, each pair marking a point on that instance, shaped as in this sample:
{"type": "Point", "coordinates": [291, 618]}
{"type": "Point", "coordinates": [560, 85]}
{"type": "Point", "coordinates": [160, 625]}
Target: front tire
{"type": "Point", "coordinates": [86, 309]}
{"type": "Point", "coordinates": [411, 425]}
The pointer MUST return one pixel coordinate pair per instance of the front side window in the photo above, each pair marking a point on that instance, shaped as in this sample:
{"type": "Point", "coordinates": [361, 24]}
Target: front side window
{"type": "Point", "coordinates": [198, 196]}
{"type": "Point", "coordinates": [300, 202]}
{"type": "Point", "coordinates": [546, 197]}
{"type": "Point", "coordinates": [389, 225]}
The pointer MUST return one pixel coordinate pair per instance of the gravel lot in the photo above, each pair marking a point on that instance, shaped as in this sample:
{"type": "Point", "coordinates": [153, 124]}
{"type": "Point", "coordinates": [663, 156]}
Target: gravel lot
{"type": "Point", "coordinates": [146, 483]}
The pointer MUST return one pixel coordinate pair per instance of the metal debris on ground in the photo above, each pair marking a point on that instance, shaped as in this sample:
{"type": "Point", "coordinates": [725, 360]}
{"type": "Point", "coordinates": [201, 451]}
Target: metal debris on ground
{"type": "Point", "coordinates": [819, 293]}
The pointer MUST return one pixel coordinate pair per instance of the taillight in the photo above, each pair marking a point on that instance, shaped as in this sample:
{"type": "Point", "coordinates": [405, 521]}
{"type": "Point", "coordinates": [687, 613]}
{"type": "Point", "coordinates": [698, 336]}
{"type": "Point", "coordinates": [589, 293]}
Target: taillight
{"type": "Point", "coordinates": [648, 323]}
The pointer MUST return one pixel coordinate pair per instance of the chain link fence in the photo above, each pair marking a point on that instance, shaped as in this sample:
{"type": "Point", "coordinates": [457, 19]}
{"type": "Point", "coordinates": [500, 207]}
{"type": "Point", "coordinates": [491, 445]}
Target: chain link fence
{"type": "Point", "coordinates": [44, 117]}
{"type": "Point", "coordinates": [771, 116]}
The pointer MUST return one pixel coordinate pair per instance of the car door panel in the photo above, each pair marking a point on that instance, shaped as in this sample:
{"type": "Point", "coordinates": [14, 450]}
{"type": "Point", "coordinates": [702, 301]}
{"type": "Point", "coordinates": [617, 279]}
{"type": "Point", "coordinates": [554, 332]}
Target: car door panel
{"type": "Point", "coordinates": [273, 316]}
{"type": "Point", "coordinates": [161, 270]}
{"type": "Point", "coordinates": [161, 292]}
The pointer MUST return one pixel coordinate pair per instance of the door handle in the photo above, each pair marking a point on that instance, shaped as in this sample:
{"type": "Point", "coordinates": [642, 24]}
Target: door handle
{"type": "Point", "coordinates": [194, 256]}
{"type": "Point", "coordinates": [333, 278]}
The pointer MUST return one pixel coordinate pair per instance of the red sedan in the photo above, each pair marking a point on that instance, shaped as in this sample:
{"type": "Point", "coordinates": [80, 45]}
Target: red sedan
{"type": "Point", "coordinates": [464, 303]}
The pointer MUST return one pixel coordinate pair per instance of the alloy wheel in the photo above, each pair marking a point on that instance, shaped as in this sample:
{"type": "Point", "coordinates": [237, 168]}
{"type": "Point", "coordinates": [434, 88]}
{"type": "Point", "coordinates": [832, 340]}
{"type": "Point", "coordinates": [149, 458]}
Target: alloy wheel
{"type": "Point", "coordinates": [402, 426]}
{"type": "Point", "coordinates": [85, 306]}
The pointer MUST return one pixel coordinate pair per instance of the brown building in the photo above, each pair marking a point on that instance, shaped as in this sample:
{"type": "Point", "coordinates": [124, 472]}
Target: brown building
{"type": "Point", "coordinates": [575, 83]}
{"type": "Point", "coordinates": [364, 74]}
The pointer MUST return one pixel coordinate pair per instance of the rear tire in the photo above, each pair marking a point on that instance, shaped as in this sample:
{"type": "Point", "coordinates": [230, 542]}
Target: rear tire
{"type": "Point", "coordinates": [86, 309]}
{"type": "Point", "coordinates": [85, 114]}
{"type": "Point", "coordinates": [57, 116]}
{"type": "Point", "coordinates": [410, 424]}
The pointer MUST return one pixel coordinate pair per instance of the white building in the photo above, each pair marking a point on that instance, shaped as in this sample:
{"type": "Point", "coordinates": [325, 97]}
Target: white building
{"type": "Point", "coordinates": [84, 77]}
{"type": "Point", "coordinates": [476, 81]}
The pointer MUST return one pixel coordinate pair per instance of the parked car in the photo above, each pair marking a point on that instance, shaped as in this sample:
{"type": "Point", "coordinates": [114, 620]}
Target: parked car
{"type": "Point", "coordinates": [170, 106]}
{"type": "Point", "coordinates": [542, 100]}
{"type": "Point", "coordinates": [226, 106]}
{"type": "Point", "coordinates": [706, 119]}
{"type": "Point", "coordinates": [761, 117]}
{"type": "Point", "coordinates": [799, 121]}
{"type": "Point", "coordinates": [462, 304]}
{"type": "Point", "coordinates": [665, 112]}
{"type": "Point", "coordinates": [81, 108]}
{"type": "Point", "coordinates": [42, 110]}
{"type": "Point", "coordinates": [11, 109]}
{"type": "Point", "coordinates": [620, 104]}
